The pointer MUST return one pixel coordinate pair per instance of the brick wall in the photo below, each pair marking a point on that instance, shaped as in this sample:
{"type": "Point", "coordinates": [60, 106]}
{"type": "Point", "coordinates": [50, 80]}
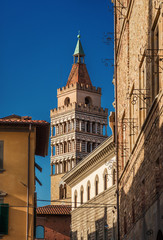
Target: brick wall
{"type": "Point", "coordinates": [57, 227]}
{"type": "Point", "coordinates": [140, 118]}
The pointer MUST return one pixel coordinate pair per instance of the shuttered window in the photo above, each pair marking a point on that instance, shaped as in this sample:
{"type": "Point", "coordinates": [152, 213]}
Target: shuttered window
{"type": "Point", "coordinates": [4, 211]}
{"type": "Point", "coordinates": [1, 154]}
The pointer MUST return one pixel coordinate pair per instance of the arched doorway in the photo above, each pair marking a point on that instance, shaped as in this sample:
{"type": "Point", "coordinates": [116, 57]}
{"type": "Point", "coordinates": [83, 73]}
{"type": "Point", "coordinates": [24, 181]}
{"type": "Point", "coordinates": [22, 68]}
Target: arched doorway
{"type": "Point", "coordinates": [159, 235]}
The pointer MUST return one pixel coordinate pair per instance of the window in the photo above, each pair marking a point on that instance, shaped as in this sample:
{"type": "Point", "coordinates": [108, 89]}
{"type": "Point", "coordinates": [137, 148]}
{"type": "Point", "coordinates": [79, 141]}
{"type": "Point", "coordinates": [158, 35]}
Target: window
{"type": "Point", "coordinates": [40, 232]}
{"type": "Point", "coordinates": [61, 192]}
{"type": "Point", "coordinates": [114, 176]}
{"type": "Point", "coordinates": [75, 200]}
{"type": "Point", "coordinates": [105, 182]}
{"type": "Point", "coordinates": [88, 147]}
{"type": "Point", "coordinates": [67, 101]}
{"type": "Point", "coordinates": [105, 175]}
{"type": "Point", "coordinates": [155, 67]}
{"type": "Point", "coordinates": [53, 152]}
{"type": "Point", "coordinates": [96, 185]}
{"type": "Point", "coordinates": [88, 101]}
{"type": "Point", "coordinates": [1, 154]}
{"type": "Point", "coordinates": [4, 210]}
{"type": "Point", "coordinates": [81, 195]}
{"type": "Point", "coordinates": [124, 147]}
{"type": "Point", "coordinates": [159, 235]}
{"type": "Point", "coordinates": [88, 191]}
{"type": "Point", "coordinates": [65, 147]}
{"type": "Point", "coordinates": [64, 166]}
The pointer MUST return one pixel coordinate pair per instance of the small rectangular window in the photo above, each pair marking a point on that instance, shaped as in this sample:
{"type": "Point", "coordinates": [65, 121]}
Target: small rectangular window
{"type": "Point", "coordinates": [1, 154]}
{"type": "Point", "coordinates": [4, 210]}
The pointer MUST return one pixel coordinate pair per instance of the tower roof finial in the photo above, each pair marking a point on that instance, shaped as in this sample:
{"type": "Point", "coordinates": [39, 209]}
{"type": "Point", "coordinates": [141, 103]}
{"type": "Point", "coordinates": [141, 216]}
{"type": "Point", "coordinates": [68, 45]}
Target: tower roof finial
{"type": "Point", "coordinates": [78, 36]}
{"type": "Point", "coordinates": [78, 49]}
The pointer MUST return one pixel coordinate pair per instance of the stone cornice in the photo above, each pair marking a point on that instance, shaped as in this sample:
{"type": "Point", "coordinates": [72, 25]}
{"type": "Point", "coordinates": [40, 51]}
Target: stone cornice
{"type": "Point", "coordinates": [79, 107]}
{"type": "Point", "coordinates": [96, 157]}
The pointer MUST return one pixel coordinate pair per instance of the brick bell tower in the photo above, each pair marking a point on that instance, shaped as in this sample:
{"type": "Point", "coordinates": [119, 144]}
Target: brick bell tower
{"type": "Point", "coordinates": [77, 125]}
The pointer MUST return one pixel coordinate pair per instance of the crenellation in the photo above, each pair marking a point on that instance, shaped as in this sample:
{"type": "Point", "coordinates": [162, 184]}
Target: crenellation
{"type": "Point", "coordinates": [76, 124]}
{"type": "Point", "coordinates": [80, 107]}
{"type": "Point", "coordinates": [79, 86]}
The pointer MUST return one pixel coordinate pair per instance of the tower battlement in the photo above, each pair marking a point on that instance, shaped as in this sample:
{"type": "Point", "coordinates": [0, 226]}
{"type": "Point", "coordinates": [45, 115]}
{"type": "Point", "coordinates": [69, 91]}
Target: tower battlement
{"type": "Point", "coordinates": [79, 107]}
{"type": "Point", "coordinates": [79, 86]}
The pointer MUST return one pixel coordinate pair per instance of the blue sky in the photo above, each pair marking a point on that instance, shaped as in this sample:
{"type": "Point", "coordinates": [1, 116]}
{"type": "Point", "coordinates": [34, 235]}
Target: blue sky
{"type": "Point", "coordinates": [37, 42]}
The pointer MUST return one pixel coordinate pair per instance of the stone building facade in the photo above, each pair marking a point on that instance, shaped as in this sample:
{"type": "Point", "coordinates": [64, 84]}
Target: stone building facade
{"type": "Point", "coordinates": [77, 124]}
{"type": "Point", "coordinates": [139, 82]}
{"type": "Point", "coordinates": [93, 189]}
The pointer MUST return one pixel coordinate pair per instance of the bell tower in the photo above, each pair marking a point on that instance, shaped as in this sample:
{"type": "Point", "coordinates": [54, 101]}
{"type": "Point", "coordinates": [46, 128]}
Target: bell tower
{"type": "Point", "coordinates": [77, 124]}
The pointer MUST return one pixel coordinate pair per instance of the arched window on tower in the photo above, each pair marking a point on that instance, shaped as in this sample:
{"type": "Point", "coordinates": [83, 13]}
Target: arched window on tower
{"type": "Point", "coordinates": [88, 147]}
{"type": "Point", "coordinates": [67, 101]}
{"type": "Point", "coordinates": [159, 235]}
{"type": "Point", "coordinates": [64, 166]}
{"type": "Point", "coordinates": [65, 147]}
{"type": "Point", "coordinates": [88, 101]}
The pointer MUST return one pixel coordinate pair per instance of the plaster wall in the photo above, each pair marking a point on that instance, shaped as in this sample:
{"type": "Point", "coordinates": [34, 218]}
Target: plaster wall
{"type": "Point", "coordinates": [13, 181]}
{"type": "Point", "coordinates": [85, 177]}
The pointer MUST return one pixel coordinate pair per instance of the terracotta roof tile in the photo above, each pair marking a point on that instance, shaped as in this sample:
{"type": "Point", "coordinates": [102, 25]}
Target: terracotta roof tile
{"type": "Point", "coordinates": [42, 130]}
{"type": "Point", "coordinates": [21, 121]}
{"type": "Point", "coordinates": [54, 209]}
{"type": "Point", "coordinates": [79, 74]}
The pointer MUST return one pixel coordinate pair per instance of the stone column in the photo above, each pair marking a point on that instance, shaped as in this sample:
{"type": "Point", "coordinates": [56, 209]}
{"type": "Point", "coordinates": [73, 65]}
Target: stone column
{"type": "Point", "coordinates": [67, 127]}
{"type": "Point", "coordinates": [51, 130]}
{"type": "Point", "coordinates": [74, 124]}
{"type": "Point", "coordinates": [72, 163]}
{"type": "Point", "coordinates": [96, 127]}
{"type": "Point", "coordinates": [80, 145]}
{"type": "Point", "coordinates": [101, 129]}
{"type": "Point", "coordinates": [60, 167]}
{"type": "Point", "coordinates": [56, 168]}
{"type": "Point", "coordinates": [80, 125]}
{"type": "Point", "coordinates": [105, 129]}
{"type": "Point", "coordinates": [85, 126]}
{"type": "Point", "coordinates": [85, 146]}
{"type": "Point", "coordinates": [90, 127]}
{"type": "Point", "coordinates": [70, 125]}
{"type": "Point", "coordinates": [90, 146]}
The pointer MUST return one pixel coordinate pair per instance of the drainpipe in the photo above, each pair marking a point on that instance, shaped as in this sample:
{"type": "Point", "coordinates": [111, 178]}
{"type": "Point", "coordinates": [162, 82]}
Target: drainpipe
{"type": "Point", "coordinates": [28, 181]}
{"type": "Point", "coordinates": [116, 115]}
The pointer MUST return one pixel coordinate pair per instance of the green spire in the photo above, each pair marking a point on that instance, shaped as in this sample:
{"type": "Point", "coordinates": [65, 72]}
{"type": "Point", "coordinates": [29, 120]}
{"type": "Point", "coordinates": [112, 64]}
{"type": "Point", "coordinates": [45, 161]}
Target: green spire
{"type": "Point", "coordinates": [79, 49]}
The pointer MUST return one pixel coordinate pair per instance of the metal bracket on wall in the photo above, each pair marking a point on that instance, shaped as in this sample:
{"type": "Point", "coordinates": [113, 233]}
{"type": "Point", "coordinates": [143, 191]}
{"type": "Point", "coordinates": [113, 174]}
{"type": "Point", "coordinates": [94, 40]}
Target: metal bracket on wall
{"type": "Point", "coordinates": [158, 4]}
{"type": "Point", "coordinates": [142, 94]}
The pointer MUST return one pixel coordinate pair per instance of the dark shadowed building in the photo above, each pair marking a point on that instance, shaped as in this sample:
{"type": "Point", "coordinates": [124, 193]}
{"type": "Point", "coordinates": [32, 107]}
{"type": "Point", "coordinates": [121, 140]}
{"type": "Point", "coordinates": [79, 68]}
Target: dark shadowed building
{"type": "Point", "coordinates": [53, 222]}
